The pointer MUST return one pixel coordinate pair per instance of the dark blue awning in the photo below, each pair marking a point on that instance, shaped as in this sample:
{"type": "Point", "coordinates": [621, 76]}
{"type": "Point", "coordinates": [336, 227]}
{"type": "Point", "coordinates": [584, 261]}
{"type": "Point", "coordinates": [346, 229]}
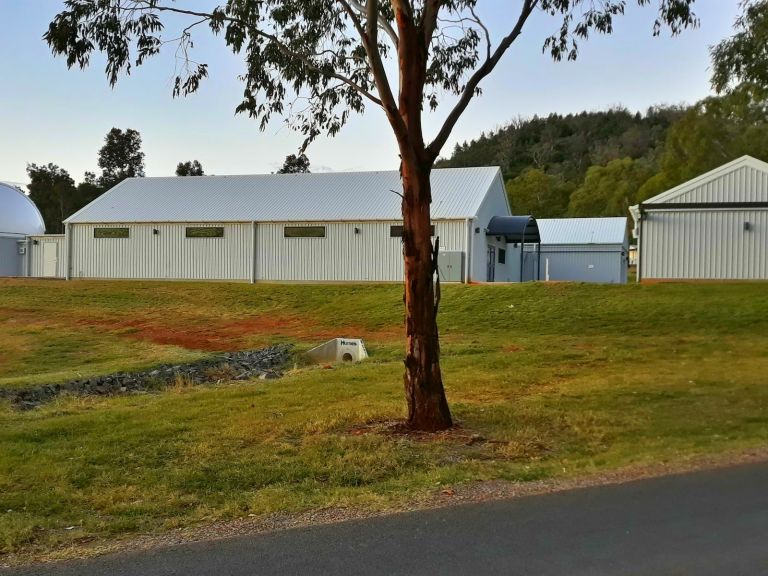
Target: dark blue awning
{"type": "Point", "coordinates": [520, 229]}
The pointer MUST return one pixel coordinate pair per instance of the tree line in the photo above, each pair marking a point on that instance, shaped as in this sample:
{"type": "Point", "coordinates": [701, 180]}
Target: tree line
{"type": "Point", "coordinates": [57, 196]}
{"type": "Point", "coordinates": [600, 163]}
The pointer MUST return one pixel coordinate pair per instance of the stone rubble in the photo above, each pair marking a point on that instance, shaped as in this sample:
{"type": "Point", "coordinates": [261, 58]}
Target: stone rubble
{"type": "Point", "coordinates": [264, 363]}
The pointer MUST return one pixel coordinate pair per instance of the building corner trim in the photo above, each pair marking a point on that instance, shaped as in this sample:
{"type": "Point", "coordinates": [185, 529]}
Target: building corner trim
{"type": "Point", "coordinates": [68, 257]}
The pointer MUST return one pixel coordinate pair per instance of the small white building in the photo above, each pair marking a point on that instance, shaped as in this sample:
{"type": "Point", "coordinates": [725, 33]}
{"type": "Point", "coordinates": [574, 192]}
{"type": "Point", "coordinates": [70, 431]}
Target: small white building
{"type": "Point", "coordinates": [584, 249]}
{"type": "Point", "coordinates": [19, 218]}
{"type": "Point", "coordinates": [712, 227]}
{"type": "Point", "coordinates": [343, 226]}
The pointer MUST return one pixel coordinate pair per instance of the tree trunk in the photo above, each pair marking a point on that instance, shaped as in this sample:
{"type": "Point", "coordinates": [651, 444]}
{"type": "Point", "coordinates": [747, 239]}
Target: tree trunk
{"type": "Point", "coordinates": [427, 405]}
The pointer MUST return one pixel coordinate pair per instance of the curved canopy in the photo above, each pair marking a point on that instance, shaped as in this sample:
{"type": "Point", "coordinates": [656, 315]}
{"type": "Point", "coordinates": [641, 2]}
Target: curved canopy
{"type": "Point", "coordinates": [521, 229]}
{"type": "Point", "coordinates": [18, 214]}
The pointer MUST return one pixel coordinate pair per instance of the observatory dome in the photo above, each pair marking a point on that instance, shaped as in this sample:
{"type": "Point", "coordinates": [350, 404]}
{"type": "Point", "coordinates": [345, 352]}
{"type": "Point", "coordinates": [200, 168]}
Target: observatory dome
{"type": "Point", "coordinates": [18, 214]}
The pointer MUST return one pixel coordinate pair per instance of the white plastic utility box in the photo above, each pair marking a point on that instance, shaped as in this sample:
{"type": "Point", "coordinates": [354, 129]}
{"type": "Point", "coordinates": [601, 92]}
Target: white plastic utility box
{"type": "Point", "coordinates": [339, 350]}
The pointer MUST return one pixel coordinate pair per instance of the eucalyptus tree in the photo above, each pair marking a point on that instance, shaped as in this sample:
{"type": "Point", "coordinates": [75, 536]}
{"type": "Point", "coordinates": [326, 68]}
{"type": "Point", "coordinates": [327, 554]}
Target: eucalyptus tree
{"type": "Point", "coordinates": [742, 59]}
{"type": "Point", "coordinates": [189, 168]}
{"type": "Point", "coordinates": [53, 191]}
{"type": "Point", "coordinates": [316, 62]}
{"type": "Point", "coordinates": [120, 157]}
{"type": "Point", "coordinates": [294, 164]}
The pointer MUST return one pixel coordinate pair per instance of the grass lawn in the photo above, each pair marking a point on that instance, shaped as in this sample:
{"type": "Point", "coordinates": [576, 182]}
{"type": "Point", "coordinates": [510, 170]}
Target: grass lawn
{"type": "Point", "coordinates": [560, 380]}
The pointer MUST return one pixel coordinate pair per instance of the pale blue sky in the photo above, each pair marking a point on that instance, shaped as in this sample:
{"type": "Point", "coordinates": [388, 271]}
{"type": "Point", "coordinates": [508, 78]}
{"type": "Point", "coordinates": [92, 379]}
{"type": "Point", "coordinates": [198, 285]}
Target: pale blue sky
{"type": "Point", "coordinates": [50, 114]}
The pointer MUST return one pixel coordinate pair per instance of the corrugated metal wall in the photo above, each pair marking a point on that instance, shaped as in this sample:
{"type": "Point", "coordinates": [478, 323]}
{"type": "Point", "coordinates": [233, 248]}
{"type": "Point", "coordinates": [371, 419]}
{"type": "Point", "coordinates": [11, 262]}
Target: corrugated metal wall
{"type": "Point", "coordinates": [165, 255]}
{"type": "Point", "coordinates": [10, 260]}
{"type": "Point", "coordinates": [745, 184]}
{"type": "Point", "coordinates": [604, 264]}
{"type": "Point", "coordinates": [706, 244]}
{"type": "Point", "coordinates": [601, 263]}
{"type": "Point", "coordinates": [343, 255]}
{"type": "Point", "coordinates": [35, 256]}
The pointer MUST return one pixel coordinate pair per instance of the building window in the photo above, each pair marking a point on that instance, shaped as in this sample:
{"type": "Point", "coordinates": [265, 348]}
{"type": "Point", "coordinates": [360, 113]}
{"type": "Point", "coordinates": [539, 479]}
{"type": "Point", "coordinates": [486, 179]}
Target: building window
{"type": "Point", "coordinates": [397, 231]}
{"type": "Point", "coordinates": [110, 233]}
{"type": "Point", "coordinates": [502, 256]}
{"type": "Point", "coordinates": [205, 232]}
{"type": "Point", "coordinates": [304, 232]}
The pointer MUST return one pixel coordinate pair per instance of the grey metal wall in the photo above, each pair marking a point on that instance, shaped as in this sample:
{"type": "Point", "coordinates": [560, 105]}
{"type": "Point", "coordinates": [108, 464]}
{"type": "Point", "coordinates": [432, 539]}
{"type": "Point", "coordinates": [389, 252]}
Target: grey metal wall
{"type": "Point", "coordinates": [35, 255]}
{"type": "Point", "coordinates": [494, 204]}
{"type": "Point", "coordinates": [510, 270]}
{"type": "Point", "coordinates": [704, 244]}
{"type": "Point", "coordinates": [603, 264]}
{"type": "Point", "coordinates": [165, 255]}
{"type": "Point", "coordinates": [371, 254]}
{"type": "Point", "coordinates": [10, 260]}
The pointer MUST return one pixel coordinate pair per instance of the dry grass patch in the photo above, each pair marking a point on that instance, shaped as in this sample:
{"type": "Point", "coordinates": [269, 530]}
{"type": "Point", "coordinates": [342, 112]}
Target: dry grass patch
{"type": "Point", "coordinates": [572, 381]}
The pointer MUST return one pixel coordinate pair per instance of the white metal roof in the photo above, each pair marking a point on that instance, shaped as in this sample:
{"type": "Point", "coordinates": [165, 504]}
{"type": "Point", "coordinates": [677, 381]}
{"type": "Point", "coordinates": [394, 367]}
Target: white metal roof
{"type": "Point", "coordinates": [582, 230]}
{"type": "Point", "coordinates": [742, 180]}
{"type": "Point", "coordinates": [330, 196]}
{"type": "Point", "coordinates": [18, 214]}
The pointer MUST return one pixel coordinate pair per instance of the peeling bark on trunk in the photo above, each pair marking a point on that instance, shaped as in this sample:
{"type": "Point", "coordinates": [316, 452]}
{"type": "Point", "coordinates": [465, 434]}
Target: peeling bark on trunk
{"type": "Point", "coordinates": [427, 406]}
{"type": "Point", "coordinates": [424, 393]}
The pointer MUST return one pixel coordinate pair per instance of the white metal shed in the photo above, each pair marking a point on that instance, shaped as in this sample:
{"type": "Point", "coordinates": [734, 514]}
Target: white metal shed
{"type": "Point", "coordinates": [343, 226]}
{"type": "Point", "coordinates": [584, 249]}
{"type": "Point", "coordinates": [712, 227]}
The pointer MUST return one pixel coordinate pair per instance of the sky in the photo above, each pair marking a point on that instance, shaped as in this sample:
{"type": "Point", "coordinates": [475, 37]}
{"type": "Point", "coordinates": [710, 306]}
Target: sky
{"type": "Point", "coordinates": [51, 114]}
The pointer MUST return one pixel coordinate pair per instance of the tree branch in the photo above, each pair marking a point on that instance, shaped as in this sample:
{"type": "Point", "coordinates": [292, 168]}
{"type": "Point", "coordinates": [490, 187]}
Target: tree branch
{"type": "Point", "coordinates": [485, 32]}
{"type": "Point", "coordinates": [383, 24]}
{"type": "Point", "coordinates": [429, 19]}
{"type": "Point", "coordinates": [469, 90]}
{"type": "Point", "coordinates": [369, 37]}
{"type": "Point", "coordinates": [305, 59]}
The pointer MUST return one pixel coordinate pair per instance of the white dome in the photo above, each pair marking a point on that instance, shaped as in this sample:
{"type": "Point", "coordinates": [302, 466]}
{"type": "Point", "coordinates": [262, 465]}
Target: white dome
{"type": "Point", "coordinates": [18, 214]}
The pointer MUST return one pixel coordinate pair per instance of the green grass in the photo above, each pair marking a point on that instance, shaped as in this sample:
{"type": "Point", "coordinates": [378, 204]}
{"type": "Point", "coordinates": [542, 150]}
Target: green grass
{"type": "Point", "coordinates": [565, 380]}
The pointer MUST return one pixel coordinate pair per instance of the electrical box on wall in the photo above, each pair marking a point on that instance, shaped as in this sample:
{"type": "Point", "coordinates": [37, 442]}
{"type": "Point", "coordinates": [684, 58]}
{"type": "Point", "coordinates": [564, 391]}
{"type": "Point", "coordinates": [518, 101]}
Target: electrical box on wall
{"type": "Point", "coordinates": [450, 266]}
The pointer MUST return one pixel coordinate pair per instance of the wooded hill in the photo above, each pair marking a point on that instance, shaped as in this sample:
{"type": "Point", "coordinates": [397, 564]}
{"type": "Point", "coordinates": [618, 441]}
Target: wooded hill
{"type": "Point", "coordinates": [600, 163]}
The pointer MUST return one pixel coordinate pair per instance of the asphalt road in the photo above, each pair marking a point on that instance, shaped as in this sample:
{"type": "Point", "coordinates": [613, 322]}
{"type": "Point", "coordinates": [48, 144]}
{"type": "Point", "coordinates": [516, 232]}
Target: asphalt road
{"type": "Point", "coordinates": [713, 522]}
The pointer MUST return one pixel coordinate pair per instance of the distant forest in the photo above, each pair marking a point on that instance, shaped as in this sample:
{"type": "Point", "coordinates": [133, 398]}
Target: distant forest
{"type": "Point", "coordinates": [600, 163]}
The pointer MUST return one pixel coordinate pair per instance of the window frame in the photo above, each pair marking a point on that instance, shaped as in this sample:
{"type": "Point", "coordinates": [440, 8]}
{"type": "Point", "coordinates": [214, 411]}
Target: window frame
{"type": "Point", "coordinates": [100, 233]}
{"type": "Point", "coordinates": [299, 232]}
{"type": "Point", "coordinates": [217, 232]}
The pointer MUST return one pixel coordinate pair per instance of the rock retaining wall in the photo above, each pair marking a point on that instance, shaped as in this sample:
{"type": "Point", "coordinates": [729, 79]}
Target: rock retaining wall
{"type": "Point", "coordinates": [263, 363]}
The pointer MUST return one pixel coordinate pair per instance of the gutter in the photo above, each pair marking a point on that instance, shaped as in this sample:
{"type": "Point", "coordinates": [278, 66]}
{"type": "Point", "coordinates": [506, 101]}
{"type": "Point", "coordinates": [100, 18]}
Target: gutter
{"type": "Point", "coordinates": [643, 208]}
{"type": "Point", "coordinates": [68, 244]}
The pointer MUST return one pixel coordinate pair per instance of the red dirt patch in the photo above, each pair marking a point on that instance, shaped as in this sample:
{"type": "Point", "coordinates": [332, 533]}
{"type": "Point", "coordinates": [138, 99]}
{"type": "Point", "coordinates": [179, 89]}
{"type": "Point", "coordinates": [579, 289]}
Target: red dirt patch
{"type": "Point", "coordinates": [217, 335]}
{"type": "Point", "coordinates": [199, 332]}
